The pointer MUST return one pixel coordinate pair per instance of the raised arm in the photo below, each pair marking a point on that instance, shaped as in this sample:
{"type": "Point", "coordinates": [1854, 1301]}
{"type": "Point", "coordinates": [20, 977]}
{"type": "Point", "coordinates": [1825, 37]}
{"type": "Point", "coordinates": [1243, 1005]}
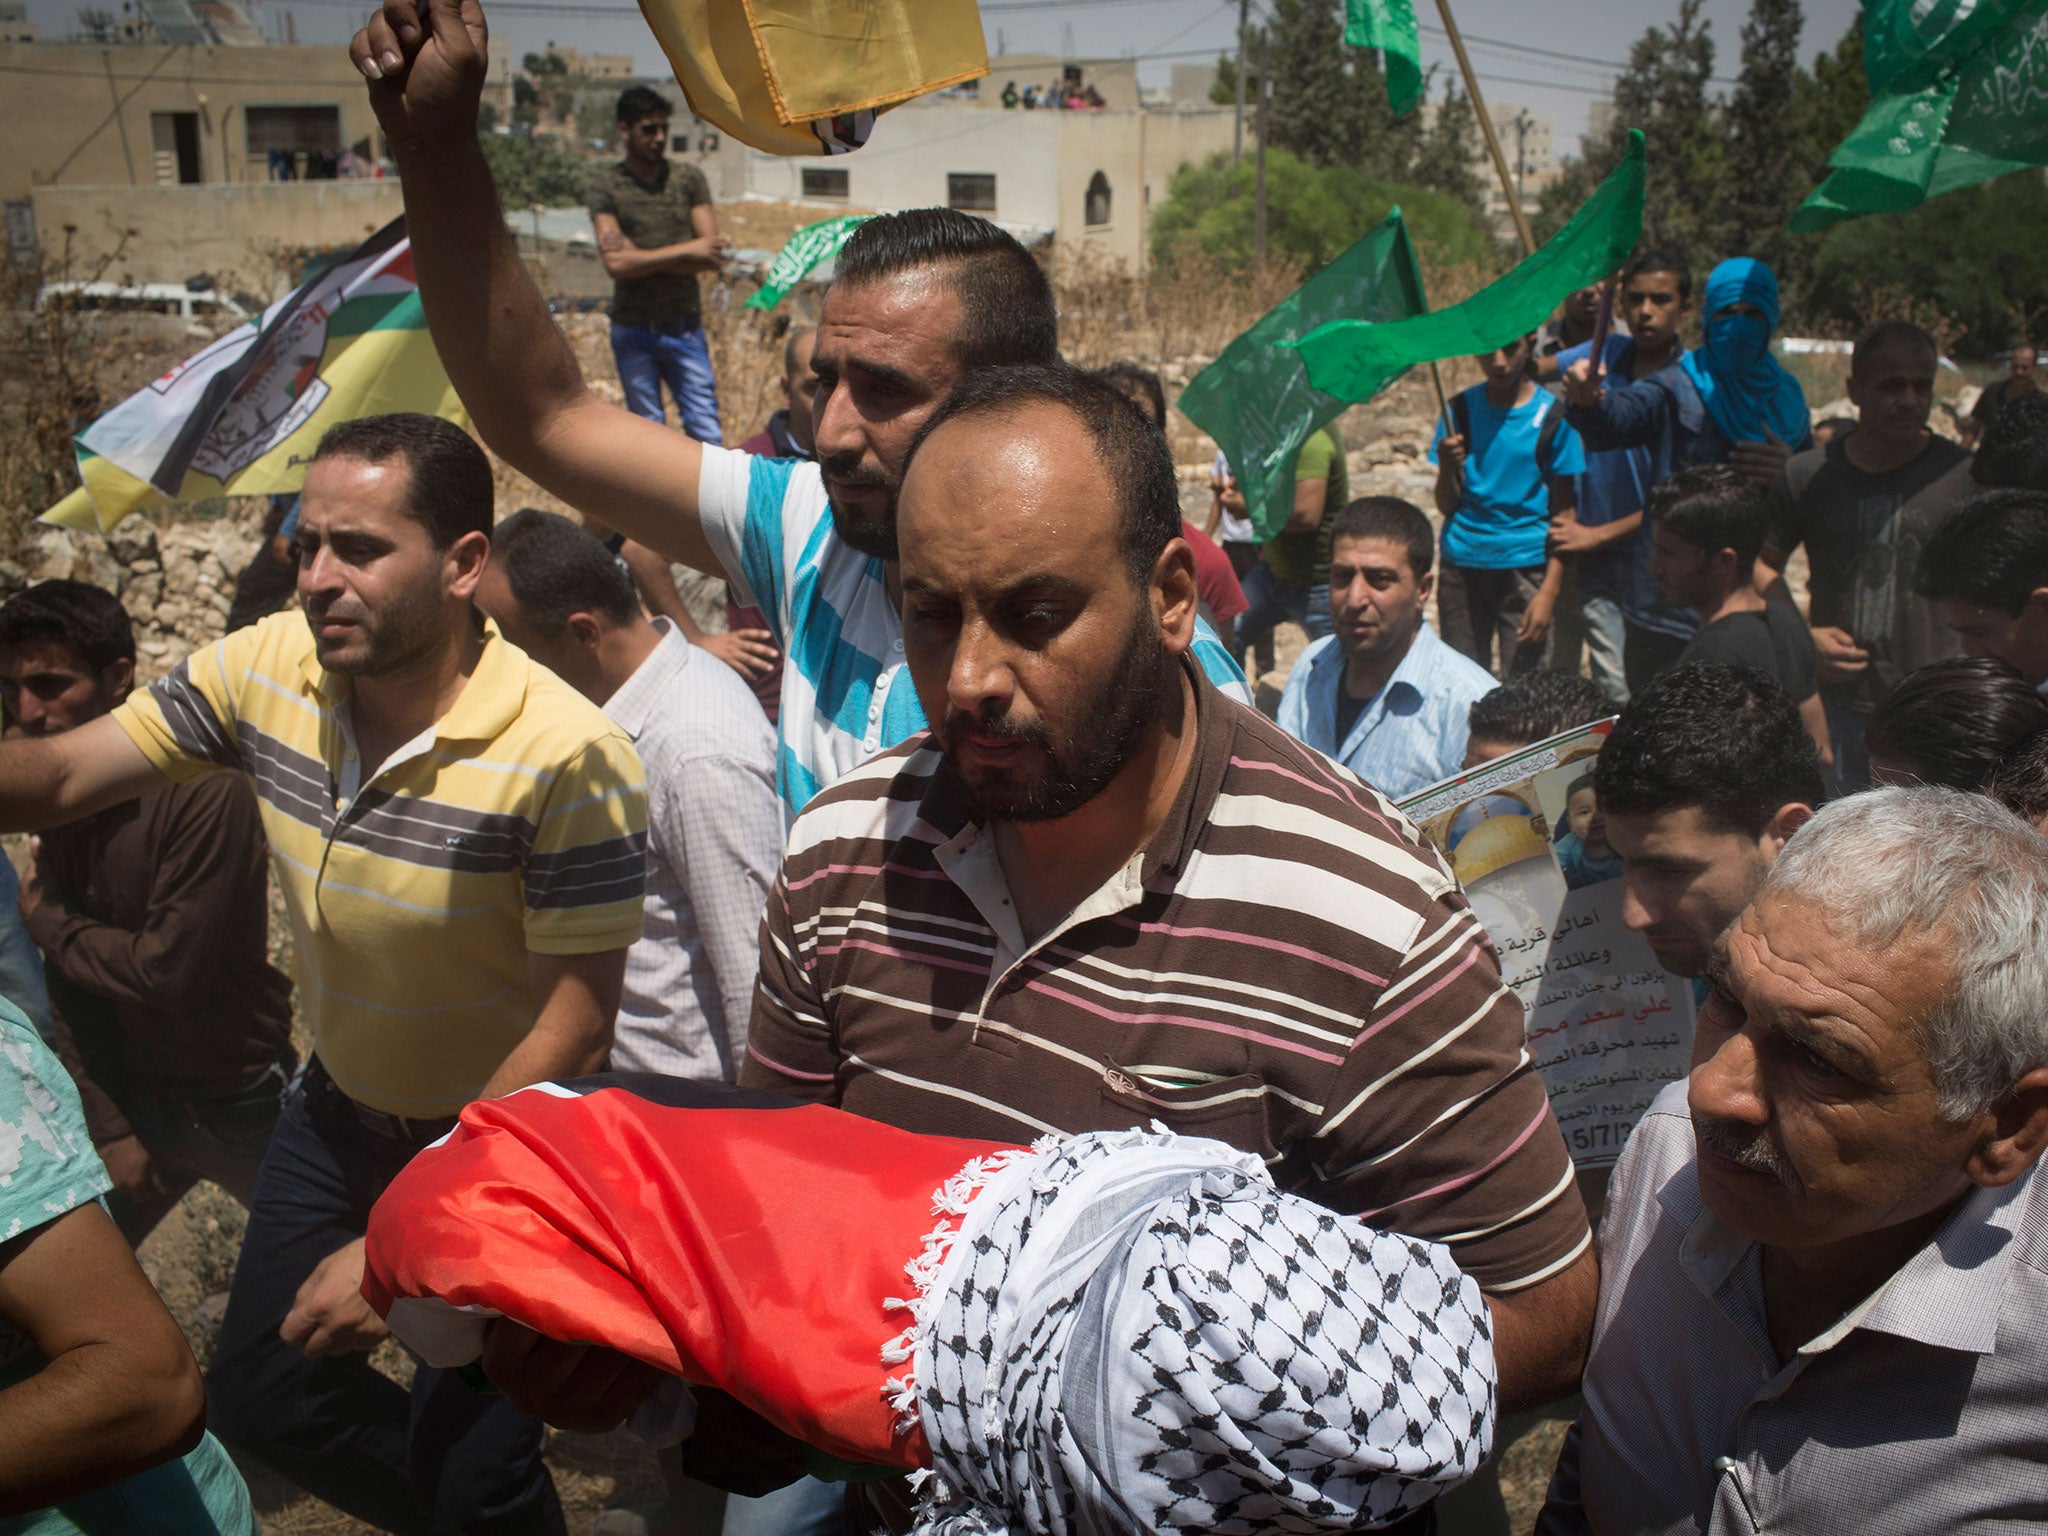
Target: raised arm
{"type": "Point", "coordinates": [46, 781]}
{"type": "Point", "coordinates": [512, 367]}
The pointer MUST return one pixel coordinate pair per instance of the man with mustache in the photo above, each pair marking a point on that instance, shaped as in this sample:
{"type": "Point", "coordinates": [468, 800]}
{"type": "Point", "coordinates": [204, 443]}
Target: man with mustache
{"type": "Point", "coordinates": [919, 301]}
{"type": "Point", "coordinates": [1099, 893]}
{"type": "Point", "coordinates": [1705, 776]}
{"type": "Point", "coordinates": [1822, 1264]}
{"type": "Point", "coordinates": [460, 841]}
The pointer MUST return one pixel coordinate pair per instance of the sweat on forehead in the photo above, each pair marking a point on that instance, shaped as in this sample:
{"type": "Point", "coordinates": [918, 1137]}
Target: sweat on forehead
{"type": "Point", "coordinates": [1026, 405]}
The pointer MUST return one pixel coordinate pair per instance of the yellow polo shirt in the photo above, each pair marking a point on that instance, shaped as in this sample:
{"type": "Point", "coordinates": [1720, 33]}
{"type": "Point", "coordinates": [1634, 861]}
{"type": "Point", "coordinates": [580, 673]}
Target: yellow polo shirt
{"type": "Point", "coordinates": [517, 825]}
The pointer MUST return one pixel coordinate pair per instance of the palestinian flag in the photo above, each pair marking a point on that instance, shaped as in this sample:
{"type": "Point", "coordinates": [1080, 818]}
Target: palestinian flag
{"type": "Point", "coordinates": [243, 416]}
{"type": "Point", "coordinates": [728, 1237]}
{"type": "Point", "coordinates": [1118, 1320]}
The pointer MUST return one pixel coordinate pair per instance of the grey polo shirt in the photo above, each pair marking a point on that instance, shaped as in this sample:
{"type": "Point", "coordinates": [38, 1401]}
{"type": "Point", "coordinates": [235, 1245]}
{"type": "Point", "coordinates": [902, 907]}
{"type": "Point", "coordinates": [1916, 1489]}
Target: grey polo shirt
{"type": "Point", "coordinates": [1921, 1411]}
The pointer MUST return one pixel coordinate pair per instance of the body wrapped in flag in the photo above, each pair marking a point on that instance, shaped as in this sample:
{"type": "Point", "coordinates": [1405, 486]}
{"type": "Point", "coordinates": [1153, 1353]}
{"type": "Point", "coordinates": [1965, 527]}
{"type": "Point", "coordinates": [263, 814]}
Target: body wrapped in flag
{"type": "Point", "coordinates": [1119, 1331]}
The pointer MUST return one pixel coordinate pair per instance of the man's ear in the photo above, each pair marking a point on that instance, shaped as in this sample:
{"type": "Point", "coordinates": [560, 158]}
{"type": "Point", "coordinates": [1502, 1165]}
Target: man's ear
{"type": "Point", "coordinates": [584, 629]}
{"type": "Point", "coordinates": [1789, 819]}
{"type": "Point", "coordinates": [464, 563]}
{"type": "Point", "coordinates": [1424, 585]}
{"type": "Point", "coordinates": [2015, 1132]}
{"type": "Point", "coordinates": [118, 680]}
{"type": "Point", "coordinates": [1174, 598]}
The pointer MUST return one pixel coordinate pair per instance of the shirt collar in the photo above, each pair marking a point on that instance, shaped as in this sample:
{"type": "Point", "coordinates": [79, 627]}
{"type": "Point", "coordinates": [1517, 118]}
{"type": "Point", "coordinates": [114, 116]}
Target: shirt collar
{"type": "Point", "coordinates": [632, 703]}
{"type": "Point", "coordinates": [489, 701]}
{"type": "Point", "coordinates": [1413, 671]}
{"type": "Point", "coordinates": [1947, 1296]}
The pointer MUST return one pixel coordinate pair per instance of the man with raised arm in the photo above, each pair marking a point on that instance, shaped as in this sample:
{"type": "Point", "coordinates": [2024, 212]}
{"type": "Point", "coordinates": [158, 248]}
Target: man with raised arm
{"type": "Point", "coordinates": [920, 300]}
{"type": "Point", "coordinates": [460, 841]}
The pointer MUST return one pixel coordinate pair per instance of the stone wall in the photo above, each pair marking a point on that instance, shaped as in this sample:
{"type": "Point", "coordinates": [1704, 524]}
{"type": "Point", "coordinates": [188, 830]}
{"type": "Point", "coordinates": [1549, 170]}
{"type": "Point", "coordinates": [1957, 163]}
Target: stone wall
{"type": "Point", "coordinates": [176, 579]}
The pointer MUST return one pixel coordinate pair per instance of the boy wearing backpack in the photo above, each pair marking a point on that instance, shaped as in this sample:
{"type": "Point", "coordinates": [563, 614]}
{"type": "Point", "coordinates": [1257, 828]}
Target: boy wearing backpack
{"type": "Point", "coordinates": [1503, 472]}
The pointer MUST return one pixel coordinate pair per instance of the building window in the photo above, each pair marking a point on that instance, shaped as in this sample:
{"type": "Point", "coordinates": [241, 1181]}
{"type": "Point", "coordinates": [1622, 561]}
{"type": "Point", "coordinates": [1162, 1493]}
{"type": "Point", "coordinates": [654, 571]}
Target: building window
{"type": "Point", "coordinates": [971, 191]}
{"type": "Point", "coordinates": [679, 143]}
{"type": "Point", "coordinates": [296, 142]}
{"type": "Point", "coordinates": [824, 183]}
{"type": "Point", "coordinates": [1098, 199]}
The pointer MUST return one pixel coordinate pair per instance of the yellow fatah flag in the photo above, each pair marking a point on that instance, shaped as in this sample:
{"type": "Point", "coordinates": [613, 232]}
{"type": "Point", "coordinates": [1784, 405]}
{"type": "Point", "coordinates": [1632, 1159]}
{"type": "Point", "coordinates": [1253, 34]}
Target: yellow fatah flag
{"type": "Point", "coordinates": [806, 77]}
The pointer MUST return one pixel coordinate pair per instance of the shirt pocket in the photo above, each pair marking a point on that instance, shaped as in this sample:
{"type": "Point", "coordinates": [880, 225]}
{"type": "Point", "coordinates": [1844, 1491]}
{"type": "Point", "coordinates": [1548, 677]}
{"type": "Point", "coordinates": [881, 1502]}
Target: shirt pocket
{"type": "Point", "coordinates": [1227, 1109]}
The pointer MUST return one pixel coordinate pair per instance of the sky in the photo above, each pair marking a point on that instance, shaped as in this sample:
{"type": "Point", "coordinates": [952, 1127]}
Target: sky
{"type": "Point", "coordinates": [1582, 41]}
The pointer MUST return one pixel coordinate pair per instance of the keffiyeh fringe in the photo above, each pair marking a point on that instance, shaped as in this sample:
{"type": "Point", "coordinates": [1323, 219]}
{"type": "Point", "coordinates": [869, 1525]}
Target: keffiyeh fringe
{"type": "Point", "coordinates": [949, 1204]}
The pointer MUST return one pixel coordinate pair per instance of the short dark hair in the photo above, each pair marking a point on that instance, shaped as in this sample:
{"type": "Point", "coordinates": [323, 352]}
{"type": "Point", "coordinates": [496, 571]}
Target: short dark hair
{"type": "Point", "coordinates": [2021, 782]}
{"type": "Point", "coordinates": [1390, 518]}
{"type": "Point", "coordinates": [1533, 706]}
{"type": "Point", "coordinates": [556, 568]}
{"type": "Point", "coordinates": [638, 101]}
{"type": "Point", "coordinates": [1953, 721]}
{"type": "Point", "coordinates": [1007, 309]}
{"type": "Point", "coordinates": [1879, 334]}
{"type": "Point", "coordinates": [1130, 449]}
{"type": "Point", "coordinates": [1655, 260]}
{"type": "Point", "coordinates": [2014, 452]}
{"type": "Point", "coordinates": [448, 486]}
{"type": "Point", "coordinates": [1141, 387]}
{"type": "Point", "coordinates": [86, 620]}
{"type": "Point", "coordinates": [1992, 550]}
{"type": "Point", "coordinates": [1715, 507]}
{"type": "Point", "coordinates": [1724, 740]}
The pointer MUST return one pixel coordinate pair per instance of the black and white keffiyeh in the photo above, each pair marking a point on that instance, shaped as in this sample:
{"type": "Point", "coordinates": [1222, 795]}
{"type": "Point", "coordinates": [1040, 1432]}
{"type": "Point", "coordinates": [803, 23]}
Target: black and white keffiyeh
{"type": "Point", "coordinates": [1133, 1333]}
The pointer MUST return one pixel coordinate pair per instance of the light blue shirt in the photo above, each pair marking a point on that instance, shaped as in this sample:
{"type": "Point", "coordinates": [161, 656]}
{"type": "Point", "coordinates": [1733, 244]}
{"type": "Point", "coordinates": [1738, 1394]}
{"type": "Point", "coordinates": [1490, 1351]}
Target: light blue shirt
{"type": "Point", "coordinates": [846, 693]}
{"type": "Point", "coordinates": [1503, 521]}
{"type": "Point", "coordinates": [1412, 734]}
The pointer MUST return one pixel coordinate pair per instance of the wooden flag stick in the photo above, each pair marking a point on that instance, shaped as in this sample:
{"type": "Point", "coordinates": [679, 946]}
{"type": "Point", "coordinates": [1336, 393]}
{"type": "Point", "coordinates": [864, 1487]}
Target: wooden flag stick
{"type": "Point", "coordinates": [1443, 402]}
{"type": "Point", "coordinates": [1500, 161]}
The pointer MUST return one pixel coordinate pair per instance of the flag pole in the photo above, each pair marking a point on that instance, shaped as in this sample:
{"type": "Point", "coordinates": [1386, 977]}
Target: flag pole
{"type": "Point", "coordinates": [1443, 402]}
{"type": "Point", "coordinates": [1500, 161]}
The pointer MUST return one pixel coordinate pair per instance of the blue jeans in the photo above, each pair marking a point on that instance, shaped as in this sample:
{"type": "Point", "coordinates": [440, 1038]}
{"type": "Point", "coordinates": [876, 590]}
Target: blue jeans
{"type": "Point", "coordinates": [648, 358]}
{"type": "Point", "coordinates": [442, 1458]}
{"type": "Point", "coordinates": [1850, 730]}
{"type": "Point", "coordinates": [1271, 603]}
{"type": "Point", "coordinates": [807, 1507]}
{"type": "Point", "coordinates": [1606, 641]}
{"type": "Point", "coordinates": [21, 963]}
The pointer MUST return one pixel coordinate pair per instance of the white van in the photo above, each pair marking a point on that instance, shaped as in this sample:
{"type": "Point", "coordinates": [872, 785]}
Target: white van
{"type": "Point", "coordinates": [153, 298]}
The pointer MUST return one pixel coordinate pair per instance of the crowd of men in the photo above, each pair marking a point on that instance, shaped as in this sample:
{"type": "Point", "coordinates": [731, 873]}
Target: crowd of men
{"type": "Point", "coordinates": [1005, 851]}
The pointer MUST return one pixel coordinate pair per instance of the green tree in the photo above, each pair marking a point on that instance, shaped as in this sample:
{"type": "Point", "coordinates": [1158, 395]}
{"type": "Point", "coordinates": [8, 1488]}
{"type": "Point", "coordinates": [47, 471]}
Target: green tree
{"type": "Point", "coordinates": [1833, 99]}
{"type": "Point", "coordinates": [1447, 159]}
{"type": "Point", "coordinates": [1768, 174]}
{"type": "Point", "coordinates": [1980, 254]}
{"type": "Point", "coordinates": [530, 171]}
{"type": "Point", "coordinates": [1664, 92]}
{"type": "Point", "coordinates": [1312, 214]}
{"type": "Point", "coordinates": [1223, 89]}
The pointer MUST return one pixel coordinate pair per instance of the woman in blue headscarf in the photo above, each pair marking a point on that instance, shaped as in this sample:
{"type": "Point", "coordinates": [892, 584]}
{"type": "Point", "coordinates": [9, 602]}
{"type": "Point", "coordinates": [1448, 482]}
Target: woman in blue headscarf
{"type": "Point", "coordinates": [1747, 392]}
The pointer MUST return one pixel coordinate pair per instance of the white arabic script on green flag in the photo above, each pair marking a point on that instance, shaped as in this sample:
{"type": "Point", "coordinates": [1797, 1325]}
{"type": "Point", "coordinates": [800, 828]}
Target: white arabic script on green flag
{"type": "Point", "coordinates": [1389, 25]}
{"type": "Point", "coordinates": [1355, 359]}
{"type": "Point", "coordinates": [1256, 399]}
{"type": "Point", "coordinates": [801, 252]}
{"type": "Point", "coordinates": [1959, 94]}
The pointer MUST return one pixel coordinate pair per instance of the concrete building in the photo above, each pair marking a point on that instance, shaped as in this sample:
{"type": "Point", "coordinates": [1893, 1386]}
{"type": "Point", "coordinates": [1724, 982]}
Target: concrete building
{"type": "Point", "coordinates": [155, 114]}
{"type": "Point", "coordinates": [1526, 140]}
{"type": "Point", "coordinates": [1086, 178]}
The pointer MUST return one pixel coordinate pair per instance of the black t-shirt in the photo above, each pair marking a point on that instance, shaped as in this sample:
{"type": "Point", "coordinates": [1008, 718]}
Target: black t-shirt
{"type": "Point", "coordinates": [1861, 549]}
{"type": "Point", "coordinates": [1772, 640]}
{"type": "Point", "coordinates": [1348, 711]}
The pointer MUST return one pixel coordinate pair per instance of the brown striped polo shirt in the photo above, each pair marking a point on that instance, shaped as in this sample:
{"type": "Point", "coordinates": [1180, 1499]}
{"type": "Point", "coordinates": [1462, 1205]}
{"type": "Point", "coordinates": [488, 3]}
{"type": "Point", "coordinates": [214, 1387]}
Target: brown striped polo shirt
{"type": "Point", "coordinates": [1287, 966]}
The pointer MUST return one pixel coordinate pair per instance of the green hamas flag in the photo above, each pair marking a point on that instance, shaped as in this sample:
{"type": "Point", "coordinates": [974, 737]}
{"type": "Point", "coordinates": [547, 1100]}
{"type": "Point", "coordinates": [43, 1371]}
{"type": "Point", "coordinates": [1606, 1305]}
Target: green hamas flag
{"type": "Point", "coordinates": [1389, 25]}
{"type": "Point", "coordinates": [1355, 359]}
{"type": "Point", "coordinates": [1255, 399]}
{"type": "Point", "coordinates": [803, 250]}
{"type": "Point", "coordinates": [1959, 94]}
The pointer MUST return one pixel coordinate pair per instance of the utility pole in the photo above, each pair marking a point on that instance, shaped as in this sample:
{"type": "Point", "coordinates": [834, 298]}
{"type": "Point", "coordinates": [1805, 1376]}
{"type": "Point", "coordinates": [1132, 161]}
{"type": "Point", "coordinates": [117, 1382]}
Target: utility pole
{"type": "Point", "coordinates": [1500, 161]}
{"type": "Point", "coordinates": [1237, 128]}
{"type": "Point", "coordinates": [1259, 187]}
{"type": "Point", "coordinates": [1521, 150]}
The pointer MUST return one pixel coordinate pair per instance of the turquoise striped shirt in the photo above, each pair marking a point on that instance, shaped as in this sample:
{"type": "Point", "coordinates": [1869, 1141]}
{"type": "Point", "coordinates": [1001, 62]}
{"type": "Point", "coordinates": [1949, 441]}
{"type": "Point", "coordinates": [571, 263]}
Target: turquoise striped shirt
{"type": "Point", "coordinates": [846, 694]}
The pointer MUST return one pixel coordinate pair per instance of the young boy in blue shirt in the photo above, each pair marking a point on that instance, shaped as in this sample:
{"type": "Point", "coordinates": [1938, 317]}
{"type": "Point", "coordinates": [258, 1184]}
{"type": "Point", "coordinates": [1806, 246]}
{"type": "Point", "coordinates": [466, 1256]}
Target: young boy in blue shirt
{"type": "Point", "coordinates": [1502, 474]}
